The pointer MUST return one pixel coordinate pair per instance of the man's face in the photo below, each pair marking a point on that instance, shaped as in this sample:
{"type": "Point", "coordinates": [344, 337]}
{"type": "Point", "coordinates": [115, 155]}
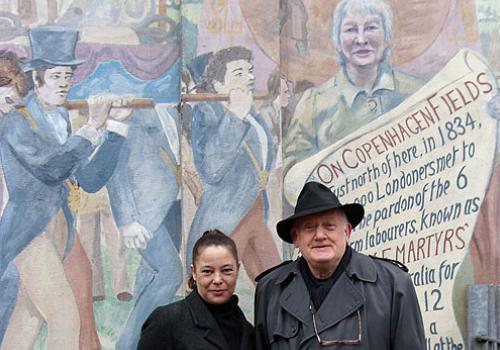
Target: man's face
{"type": "Point", "coordinates": [56, 87]}
{"type": "Point", "coordinates": [239, 75]}
{"type": "Point", "coordinates": [9, 99]}
{"type": "Point", "coordinates": [362, 39]}
{"type": "Point", "coordinates": [322, 239]}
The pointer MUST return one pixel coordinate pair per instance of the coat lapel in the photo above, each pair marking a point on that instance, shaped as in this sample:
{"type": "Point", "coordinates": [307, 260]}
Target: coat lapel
{"type": "Point", "coordinates": [270, 146]}
{"type": "Point", "coordinates": [44, 128]}
{"type": "Point", "coordinates": [296, 300]}
{"type": "Point", "coordinates": [345, 298]}
{"type": "Point", "coordinates": [214, 336]}
{"type": "Point", "coordinates": [203, 319]}
{"type": "Point", "coordinates": [342, 300]}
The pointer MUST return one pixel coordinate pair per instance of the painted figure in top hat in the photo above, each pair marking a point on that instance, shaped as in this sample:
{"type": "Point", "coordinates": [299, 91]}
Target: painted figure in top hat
{"type": "Point", "coordinates": [44, 163]}
{"type": "Point", "coordinates": [333, 295]}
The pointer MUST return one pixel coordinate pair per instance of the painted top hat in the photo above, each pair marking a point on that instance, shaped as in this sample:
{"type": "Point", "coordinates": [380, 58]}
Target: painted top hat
{"type": "Point", "coordinates": [52, 46]}
{"type": "Point", "coordinates": [316, 198]}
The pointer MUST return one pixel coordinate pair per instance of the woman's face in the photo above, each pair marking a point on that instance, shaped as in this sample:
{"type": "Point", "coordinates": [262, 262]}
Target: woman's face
{"type": "Point", "coordinates": [362, 39]}
{"type": "Point", "coordinates": [9, 99]}
{"type": "Point", "coordinates": [215, 271]}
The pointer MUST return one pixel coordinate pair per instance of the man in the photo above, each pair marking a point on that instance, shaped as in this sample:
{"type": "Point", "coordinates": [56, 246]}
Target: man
{"type": "Point", "coordinates": [365, 87]}
{"type": "Point", "coordinates": [333, 295]}
{"type": "Point", "coordinates": [233, 153]}
{"type": "Point", "coordinates": [143, 193]}
{"type": "Point", "coordinates": [43, 165]}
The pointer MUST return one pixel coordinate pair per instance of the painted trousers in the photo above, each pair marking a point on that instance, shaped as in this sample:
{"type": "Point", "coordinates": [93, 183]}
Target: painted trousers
{"type": "Point", "coordinates": [93, 227]}
{"type": "Point", "coordinates": [44, 294]}
{"type": "Point", "coordinates": [157, 279]}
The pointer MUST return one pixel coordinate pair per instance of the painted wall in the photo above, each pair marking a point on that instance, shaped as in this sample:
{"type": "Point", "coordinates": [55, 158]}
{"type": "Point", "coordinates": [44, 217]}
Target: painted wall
{"type": "Point", "coordinates": [419, 151]}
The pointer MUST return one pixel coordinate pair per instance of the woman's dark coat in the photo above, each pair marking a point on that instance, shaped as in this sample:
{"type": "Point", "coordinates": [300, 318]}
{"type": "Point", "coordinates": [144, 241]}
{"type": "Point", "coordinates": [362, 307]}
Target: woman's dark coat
{"type": "Point", "coordinates": [188, 325]}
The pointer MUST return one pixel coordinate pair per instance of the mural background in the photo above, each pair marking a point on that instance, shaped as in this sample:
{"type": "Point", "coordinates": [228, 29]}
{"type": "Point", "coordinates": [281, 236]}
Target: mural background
{"type": "Point", "coordinates": [158, 50]}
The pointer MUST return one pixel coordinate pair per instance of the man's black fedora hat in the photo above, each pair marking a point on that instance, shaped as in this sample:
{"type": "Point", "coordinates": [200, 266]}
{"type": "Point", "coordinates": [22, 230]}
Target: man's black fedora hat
{"type": "Point", "coordinates": [316, 198]}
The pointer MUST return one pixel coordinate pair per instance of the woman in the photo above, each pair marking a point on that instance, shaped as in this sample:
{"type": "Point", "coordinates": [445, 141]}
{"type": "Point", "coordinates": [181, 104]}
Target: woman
{"type": "Point", "coordinates": [209, 317]}
{"type": "Point", "coordinates": [365, 87]}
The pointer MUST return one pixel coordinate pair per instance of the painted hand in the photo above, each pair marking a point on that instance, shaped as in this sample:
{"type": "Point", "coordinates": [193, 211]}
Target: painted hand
{"type": "Point", "coordinates": [135, 235]}
{"type": "Point", "coordinates": [99, 107]}
{"type": "Point", "coordinates": [119, 110]}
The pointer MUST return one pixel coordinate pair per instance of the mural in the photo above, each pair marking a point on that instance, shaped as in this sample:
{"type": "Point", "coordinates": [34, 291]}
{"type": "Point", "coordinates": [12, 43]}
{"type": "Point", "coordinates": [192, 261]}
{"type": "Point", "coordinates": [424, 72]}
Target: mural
{"type": "Point", "coordinates": [130, 127]}
{"type": "Point", "coordinates": [96, 144]}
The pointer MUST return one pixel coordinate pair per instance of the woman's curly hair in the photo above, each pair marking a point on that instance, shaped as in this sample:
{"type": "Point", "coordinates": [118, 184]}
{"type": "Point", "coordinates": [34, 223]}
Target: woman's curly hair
{"type": "Point", "coordinates": [11, 73]}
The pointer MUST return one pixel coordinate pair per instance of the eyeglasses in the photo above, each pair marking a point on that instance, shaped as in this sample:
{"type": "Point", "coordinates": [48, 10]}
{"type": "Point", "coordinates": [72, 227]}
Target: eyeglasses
{"type": "Point", "coordinates": [336, 342]}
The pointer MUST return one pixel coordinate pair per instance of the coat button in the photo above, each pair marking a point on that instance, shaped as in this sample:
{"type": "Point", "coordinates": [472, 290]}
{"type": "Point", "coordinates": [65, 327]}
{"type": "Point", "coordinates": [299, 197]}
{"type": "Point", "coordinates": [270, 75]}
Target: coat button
{"type": "Point", "coordinates": [372, 104]}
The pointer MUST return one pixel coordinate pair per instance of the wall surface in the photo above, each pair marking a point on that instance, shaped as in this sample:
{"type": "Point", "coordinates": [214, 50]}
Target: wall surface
{"type": "Point", "coordinates": [241, 103]}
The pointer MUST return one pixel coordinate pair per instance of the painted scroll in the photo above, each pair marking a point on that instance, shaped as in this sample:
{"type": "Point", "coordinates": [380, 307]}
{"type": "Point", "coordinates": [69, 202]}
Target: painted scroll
{"type": "Point", "coordinates": [421, 171]}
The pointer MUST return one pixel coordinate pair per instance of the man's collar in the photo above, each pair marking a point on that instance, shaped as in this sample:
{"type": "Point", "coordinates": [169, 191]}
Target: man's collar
{"type": "Point", "coordinates": [360, 266]}
{"type": "Point", "coordinates": [32, 97]}
{"type": "Point", "coordinates": [385, 81]}
{"type": "Point", "coordinates": [29, 96]}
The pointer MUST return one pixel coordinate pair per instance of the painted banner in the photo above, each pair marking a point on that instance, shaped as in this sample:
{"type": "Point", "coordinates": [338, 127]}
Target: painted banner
{"type": "Point", "coordinates": [421, 171]}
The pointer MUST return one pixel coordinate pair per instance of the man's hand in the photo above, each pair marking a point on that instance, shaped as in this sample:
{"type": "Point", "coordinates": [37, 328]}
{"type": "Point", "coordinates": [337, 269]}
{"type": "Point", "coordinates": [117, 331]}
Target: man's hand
{"type": "Point", "coordinates": [135, 235]}
{"type": "Point", "coordinates": [99, 107]}
{"type": "Point", "coordinates": [493, 106]}
{"type": "Point", "coordinates": [119, 110]}
{"type": "Point", "coordinates": [240, 102]}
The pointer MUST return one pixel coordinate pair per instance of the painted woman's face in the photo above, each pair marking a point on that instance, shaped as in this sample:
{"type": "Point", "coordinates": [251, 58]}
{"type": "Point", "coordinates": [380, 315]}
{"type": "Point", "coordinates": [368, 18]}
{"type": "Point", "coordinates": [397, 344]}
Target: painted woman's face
{"type": "Point", "coordinates": [9, 99]}
{"type": "Point", "coordinates": [215, 272]}
{"type": "Point", "coordinates": [362, 39]}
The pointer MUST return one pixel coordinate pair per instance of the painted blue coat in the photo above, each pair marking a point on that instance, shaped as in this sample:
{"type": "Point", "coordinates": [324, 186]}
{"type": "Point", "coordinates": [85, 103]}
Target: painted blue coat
{"type": "Point", "coordinates": [144, 185]}
{"type": "Point", "coordinates": [229, 178]}
{"type": "Point", "coordinates": [144, 189]}
{"type": "Point", "coordinates": [36, 167]}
